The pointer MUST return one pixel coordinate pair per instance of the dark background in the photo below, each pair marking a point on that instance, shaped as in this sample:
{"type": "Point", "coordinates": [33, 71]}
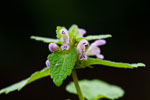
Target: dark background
{"type": "Point", "coordinates": [127, 21]}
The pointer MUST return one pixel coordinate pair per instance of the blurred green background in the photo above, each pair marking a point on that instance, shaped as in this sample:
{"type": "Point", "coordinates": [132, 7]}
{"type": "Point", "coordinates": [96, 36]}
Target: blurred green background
{"type": "Point", "coordinates": [127, 20]}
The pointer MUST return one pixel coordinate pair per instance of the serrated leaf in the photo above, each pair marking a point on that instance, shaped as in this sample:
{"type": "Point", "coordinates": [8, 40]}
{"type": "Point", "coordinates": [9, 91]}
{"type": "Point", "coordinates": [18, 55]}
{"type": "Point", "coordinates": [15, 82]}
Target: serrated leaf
{"type": "Point", "coordinates": [95, 61]}
{"type": "Point", "coordinates": [74, 31]}
{"type": "Point", "coordinates": [46, 40]}
{"type": "Point", "coordinates": [62, 63]}
{"type": "Point", "coordinates": [58, 32]}
{"type": "Point", "coordinates": [96, 89]}
{"type": "Point", "coordinates": [94, 37]}
{"type": "Point", "coordinates": [18, 86]}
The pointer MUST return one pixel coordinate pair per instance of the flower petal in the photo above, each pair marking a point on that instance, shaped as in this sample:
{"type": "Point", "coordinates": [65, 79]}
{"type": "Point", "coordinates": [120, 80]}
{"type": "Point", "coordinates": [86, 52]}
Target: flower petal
{"type": "Point", "coordinates": [65, 36]}
{"type": "Point", "coordinates": [65, 47]}
{"type": "Point", "coordinates": [82, 31]}
{"type": "Point", "coordinates": [99, 42]}
{"type": "Point", "coordinates": [81, 48]}
{"type": "Point", "coordinates": [64, 39]}
{"type": "Point", "coordinates": [100, 56]}
{"type": "Point", "coordinates": [83, 57]}
{"type": "Point", "coordinates": [94, 50]}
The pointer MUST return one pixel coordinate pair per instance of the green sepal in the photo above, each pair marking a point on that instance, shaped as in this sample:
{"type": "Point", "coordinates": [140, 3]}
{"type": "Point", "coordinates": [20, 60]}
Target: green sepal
{"type": "Point", "coordinates": [74, 31]}
{"type": "Point", "coordinates": [58, 32]}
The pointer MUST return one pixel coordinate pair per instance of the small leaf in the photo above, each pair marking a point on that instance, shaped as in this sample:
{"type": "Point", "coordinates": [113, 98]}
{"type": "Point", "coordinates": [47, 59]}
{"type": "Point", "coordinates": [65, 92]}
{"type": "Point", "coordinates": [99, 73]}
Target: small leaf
{"type": "Point", "coordinates": [61, 64]}
{"type": "Point", "coordinates": [95, 61]}
{"type": "Point", "coordinates": [58, 32]}
{"type": "Point", "coordinates": [94, 37]}
{"type": "Point", "coordinates": [46, 40]}
{"type": "Point", "coordinates": [18, 86]}
{"type": "Point", "coordinates": [73, 31]}
{"type": "Point", "coordinates": [96, 89]}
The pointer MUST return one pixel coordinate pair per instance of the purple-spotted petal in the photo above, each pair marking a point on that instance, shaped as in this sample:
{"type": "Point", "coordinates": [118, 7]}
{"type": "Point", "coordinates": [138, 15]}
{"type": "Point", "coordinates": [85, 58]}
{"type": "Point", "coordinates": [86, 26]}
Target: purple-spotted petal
{"type": "Point", "coordinates": [65, 47]}
{"type": "Point", "coordinates": [47, 63]}
{"type": "Point", "coordinates": [53, 47]}
{"type": "Point", "coordinates": [63, 31]}
{"type": "Point", "coordinates": [81, 49]}
{"type": "Point", "coordinates": [83, 57]}
{"type": "Point", "coordinates": [64, 39]}
{"type": "Point", "coordinates": [81, 46]}
{"type": "Point", "coordinates": [65, 36]}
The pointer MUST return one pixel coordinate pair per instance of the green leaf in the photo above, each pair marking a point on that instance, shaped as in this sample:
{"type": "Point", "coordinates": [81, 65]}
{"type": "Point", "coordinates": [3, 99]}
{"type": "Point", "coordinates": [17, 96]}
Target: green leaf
{"type": "Point", "coordinates": [62, 63]}
{"type": "Point", "coordinates": [58, 32]}
{"type": "Point", "coordinates": [46, 40]}
{"type": "Point", "coordinates": [18, 86]}
{"type": "Point", "coordinates": [74, 31]}
{"type": "Point", "coordinates": [93, 61]}
{"type": "Point", "coordinates": [96, 89]}
{"type": "Point", "coordinates": [94, 37]}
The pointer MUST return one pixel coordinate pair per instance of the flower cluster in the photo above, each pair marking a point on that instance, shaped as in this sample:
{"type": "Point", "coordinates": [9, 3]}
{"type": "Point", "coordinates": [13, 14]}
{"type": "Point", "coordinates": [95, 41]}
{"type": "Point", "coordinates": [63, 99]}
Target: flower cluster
{"type": "Point", "coordinates": [83, 47]}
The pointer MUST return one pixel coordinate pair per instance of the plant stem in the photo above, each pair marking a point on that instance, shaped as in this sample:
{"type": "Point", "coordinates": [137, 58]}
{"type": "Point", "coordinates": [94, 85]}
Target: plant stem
{"type": "Point", "coordinates": [75, 79]}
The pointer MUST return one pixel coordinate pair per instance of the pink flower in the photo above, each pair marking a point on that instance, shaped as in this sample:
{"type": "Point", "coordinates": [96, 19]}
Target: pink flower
{"type": "Point", "coordinates": [81, 49]}
{"type": "Point", "coordinates": [64, 39]}
{"type": "Point", "coordinates": [53, 47]}
{"type": "Point", "coordinates": [94, 50]}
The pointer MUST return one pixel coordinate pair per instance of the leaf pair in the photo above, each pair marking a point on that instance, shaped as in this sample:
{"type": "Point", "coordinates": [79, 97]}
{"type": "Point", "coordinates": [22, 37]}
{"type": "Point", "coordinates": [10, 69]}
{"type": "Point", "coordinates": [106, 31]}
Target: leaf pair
{"type": "Point", "coordinates": [88, 38]}
{"type": "Point", "coordinates": [92, 90]}
{"type": "Point", "coordinates": [61, 66]}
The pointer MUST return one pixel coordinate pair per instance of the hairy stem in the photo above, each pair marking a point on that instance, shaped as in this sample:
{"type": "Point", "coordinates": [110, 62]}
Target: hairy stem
{"type": "Point", "coordinates": [75, 79]}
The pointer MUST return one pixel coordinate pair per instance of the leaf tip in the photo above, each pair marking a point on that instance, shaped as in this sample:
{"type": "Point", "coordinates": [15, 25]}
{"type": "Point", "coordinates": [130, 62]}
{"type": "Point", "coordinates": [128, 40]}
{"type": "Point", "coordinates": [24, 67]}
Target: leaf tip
{"type": "Point", "coordinates": [1, 91]}
{"type": "Point", "coordinates": [138, 65]}
{"type": "Point", "coordinates": [31, 37]}
{"type": "Point", "coordinates": [58, 83]}
{"type": "Point", "coordinates": [109, 35]}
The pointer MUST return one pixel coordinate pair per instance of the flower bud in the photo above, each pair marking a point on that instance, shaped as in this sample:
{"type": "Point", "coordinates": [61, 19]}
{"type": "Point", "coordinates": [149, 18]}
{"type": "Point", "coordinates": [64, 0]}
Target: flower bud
{"type": "Point", "coordinates": [47, 63]}
{"type": "Point", "coordinates": [53, 47]}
